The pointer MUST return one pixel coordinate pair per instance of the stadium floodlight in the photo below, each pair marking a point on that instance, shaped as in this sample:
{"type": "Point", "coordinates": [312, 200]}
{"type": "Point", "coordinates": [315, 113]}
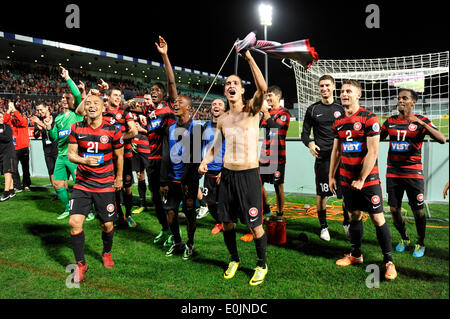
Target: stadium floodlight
{"type": "Point", "coordinates": [265, 14]}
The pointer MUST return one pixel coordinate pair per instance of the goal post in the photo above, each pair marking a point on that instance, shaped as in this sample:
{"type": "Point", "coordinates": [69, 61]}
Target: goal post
{"type": "Point", "coordinates": [380, 79]}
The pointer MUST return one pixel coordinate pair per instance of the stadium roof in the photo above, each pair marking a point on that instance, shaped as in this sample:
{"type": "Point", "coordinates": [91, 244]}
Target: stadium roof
{"type": "Point", "coordinates": [34, 50]}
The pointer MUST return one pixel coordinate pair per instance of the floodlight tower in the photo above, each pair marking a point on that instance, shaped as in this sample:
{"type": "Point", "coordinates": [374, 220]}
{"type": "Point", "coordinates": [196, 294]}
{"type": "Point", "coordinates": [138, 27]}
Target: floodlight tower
{"type": "Point", "coordinates": [265, 14]}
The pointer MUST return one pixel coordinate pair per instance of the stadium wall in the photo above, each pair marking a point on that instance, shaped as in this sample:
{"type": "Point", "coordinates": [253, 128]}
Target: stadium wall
{"type": "Point", "coordinates": [299, 175]}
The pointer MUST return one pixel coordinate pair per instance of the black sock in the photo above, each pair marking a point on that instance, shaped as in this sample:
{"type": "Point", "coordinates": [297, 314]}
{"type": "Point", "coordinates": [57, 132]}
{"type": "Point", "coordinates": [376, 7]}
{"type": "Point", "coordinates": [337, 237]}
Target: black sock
{"type": "Point", "coordinates": [346, 217]}
{"type": "Point", "coordinates": [202, 203]}
{"type": "Point", "coordinates": [78, 247]}
{"type": "Point", "coordinates": [128, 201]}
{"type": "Point", "coordinates": [230, 241]}
{"type": "Point", "coordinates": [322, 214]}
{"type": "Point", "coordinates": [142, 189]}
{"type": "Point", "coordinates": [191, 217]}
{"type": "Point", "coordinates": [175, 229]}
{"type": "Point", "coordinates": [261, 245]}
{"type": "Point", "coordinates": [421, 224]}
{"type": "Point", "coordinates": [213, 211]}
{"type": "Point", "coordinates": [400, 226]}
{"type": "Point", "coordinates": [160, 213]}
{"type": "Point", "coordinates": [385, 241]}
{"type": "Point", "coordinates": [356, 233]}
{"type": "Point", "coordinates": [119, 205]}
{"type": "Point", "coordinates": [107, 241]}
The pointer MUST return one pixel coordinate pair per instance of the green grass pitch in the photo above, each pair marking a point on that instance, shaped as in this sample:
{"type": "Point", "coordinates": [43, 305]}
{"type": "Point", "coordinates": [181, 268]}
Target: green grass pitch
{"type": "Point", "coordinates": [35, 249]}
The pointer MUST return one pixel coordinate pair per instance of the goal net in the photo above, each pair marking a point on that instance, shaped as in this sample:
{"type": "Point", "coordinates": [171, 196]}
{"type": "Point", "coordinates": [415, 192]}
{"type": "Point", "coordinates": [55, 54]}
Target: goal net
{"type": "Point", "coordinates": [380, 78]}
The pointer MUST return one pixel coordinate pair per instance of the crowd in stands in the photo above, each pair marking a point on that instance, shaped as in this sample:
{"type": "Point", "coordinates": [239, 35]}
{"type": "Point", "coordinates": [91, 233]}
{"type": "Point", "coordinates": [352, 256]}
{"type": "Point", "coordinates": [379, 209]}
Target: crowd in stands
{"type": "Point", "coordinates": [28, 86]}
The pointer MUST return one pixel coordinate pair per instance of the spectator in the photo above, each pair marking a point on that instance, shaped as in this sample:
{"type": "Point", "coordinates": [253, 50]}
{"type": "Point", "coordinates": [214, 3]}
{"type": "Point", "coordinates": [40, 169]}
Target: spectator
{"type": "Point", "coordinates": [21, 142]}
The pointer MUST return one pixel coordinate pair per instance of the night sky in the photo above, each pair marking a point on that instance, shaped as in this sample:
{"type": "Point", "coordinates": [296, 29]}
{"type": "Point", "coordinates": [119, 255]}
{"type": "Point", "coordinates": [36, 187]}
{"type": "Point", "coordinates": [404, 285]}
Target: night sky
{"type": "Point", "coordinates": [201, 33]}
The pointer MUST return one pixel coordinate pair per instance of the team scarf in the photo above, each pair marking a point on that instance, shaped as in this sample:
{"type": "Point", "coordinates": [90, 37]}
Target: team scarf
{"type": "Point", "coordinates": [300, 50]}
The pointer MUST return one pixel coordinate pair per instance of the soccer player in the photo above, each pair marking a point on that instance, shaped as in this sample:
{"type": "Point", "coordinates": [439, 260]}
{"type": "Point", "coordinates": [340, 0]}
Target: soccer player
{"type": "Point", "coordinates": [241, 190]}
{"type": "Point", "coordinates": [320, 117]}
{"type": "Point", "coordinates": [212, 176]}
{"type": "Point", "coordinates": [159, 116]}
{"type": "Point", "coordinates": [356, 143]}
{"type": "Point", "coordinates": [406, 132]}
{"type": "Point", "coordinates": [141, 150]}
{"type": "Point", "coordinates": [6, 158]}
{"type": "Point", "coordinates": [116, 115]}
{"type": "Point", "coordinates": [272, 161]}
{"type": "Point", "coordinates": [59, 132]}
{"type": "Point", "coordinates": [97, 148]}
{"type": "Point", "coordinates": [179, 176]}
{"type": "Point", "coordinates": [50, 148]}
{"type": "Point", "coordinates": [21, 140]}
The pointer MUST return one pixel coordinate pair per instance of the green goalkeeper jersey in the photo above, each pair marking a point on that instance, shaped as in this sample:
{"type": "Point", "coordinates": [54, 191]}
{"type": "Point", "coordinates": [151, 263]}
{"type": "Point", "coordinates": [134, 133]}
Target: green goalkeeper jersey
{"type": "Point", "coordinates": [61, 130]}
{"type": "Point", "coordinates": [64, 121]}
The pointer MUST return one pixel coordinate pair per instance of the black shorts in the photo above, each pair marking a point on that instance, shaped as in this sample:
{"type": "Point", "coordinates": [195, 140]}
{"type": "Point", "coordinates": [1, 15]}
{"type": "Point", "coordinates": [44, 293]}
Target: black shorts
{"type": "Point", "coordinates": [240, 195]}
{"type": "Point", "coordinates": [322, 170]}
{"type": "Point", "coordinates": [369, 199]}
{"type": "Point", "coordinates": [7, 163]}
{"type": "Point", "coordinates": [140, 162]}
{"type": "Point", "coordinates": [176, 195]}
{"type": "Point", "coordinates": [210, 187]}
{"type": "Point", "coordinates": [272, 173]}
{"type": "Point", "coordinates": [414, 188]}
{"type": "Point", "coordinates": [104, 203]}
{"type": "Point", "coordinates": [127, 176]}
{"type": "Point", "coordinates": [50, 161]}
{"type": "Point", "coordinates": [153, 176]}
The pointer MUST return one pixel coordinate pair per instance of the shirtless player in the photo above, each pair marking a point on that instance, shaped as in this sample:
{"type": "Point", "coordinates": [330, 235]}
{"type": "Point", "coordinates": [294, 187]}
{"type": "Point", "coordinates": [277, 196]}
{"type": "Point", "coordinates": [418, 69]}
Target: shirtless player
{"type": "Point", "coordinates": [240, 176]}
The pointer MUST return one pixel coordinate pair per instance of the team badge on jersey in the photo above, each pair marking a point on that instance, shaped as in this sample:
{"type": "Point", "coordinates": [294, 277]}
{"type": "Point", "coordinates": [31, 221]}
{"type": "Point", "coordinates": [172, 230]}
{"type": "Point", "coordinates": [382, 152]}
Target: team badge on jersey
{"type": "Point", "coordinates": [253, 212]}
{"type": "Point", "coordinates": [337, 114]}
{"type": "Point", "coordinates": [412, 127]}
{"type": "Point", "coordinates": [277, 174]}
{"type": "Point", "coordinates": [110, 208]}
{"type": "Point", "coordinates": [375, 199]}
{"type": "Point", "coordinates": [376, 127]}
{"type": "Point", "coordinates": [283, 118]}
{"type": "Point", "coordinates": [104, 139]}
{"type": "Point", "coordinates": [420, 198]}
{"type": "Point", "coordinates": [357, 126]}
{"type": "Point", "coordinates": [118, 116]}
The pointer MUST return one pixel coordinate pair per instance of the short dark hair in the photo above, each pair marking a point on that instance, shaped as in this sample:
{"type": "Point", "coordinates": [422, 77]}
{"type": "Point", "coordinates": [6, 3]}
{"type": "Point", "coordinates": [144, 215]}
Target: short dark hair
{"type": "Point", "coordinates": [114, 88]}
{"type": "Point", "coordinates": [352, 82]}
{"type": "Point", "coordinates": [161, 86]}
{"type": "Point", "coordinates": [275, 89]}
{"type": "Point", "coordinates": [413, 93]}
{"type": "Point", "coordinates": [326, 77]}
{"type": "Point", "coordinates": [187, 98]}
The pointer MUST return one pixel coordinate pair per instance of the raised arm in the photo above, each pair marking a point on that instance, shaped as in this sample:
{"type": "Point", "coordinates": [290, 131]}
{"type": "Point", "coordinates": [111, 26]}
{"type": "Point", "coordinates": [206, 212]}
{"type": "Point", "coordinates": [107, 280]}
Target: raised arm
{"type": "Point", "coordinates": [261, 86]}
{"type": "Point", "coordinates": [171, 84]}
{"type": "Point", "coordinates": [72, 86]}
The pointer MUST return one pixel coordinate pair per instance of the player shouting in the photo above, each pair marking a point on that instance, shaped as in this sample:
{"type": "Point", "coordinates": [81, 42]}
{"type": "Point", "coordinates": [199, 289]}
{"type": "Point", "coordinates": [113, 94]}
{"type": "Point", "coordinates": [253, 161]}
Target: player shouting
{"type": "Point", "coordinates": [240, 193]}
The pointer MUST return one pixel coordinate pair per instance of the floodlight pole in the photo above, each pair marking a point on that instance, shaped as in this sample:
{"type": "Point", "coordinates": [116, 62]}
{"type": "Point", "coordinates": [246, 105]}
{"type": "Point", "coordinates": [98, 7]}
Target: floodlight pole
{"type": "Point", "coordinates": [266, 58]}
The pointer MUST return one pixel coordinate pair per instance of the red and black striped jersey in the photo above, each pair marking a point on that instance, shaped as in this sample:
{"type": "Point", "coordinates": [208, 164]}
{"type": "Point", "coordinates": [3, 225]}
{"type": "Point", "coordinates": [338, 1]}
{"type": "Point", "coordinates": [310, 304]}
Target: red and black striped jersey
{"type": "Point", "coordinates": [119, 118]}
{"type": "Point", "coordinates": [101, 143]}
{"type": "Point", "coordinates": [157, 119]}
{"type": "Point", "coordinates": [405, 146]}
{"type": "Point", "coordinates": [141, 142]}
{"type": "Point", "coordinates": [273, 149]}
{"type": "Point", "coordinates": [352, 133]}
